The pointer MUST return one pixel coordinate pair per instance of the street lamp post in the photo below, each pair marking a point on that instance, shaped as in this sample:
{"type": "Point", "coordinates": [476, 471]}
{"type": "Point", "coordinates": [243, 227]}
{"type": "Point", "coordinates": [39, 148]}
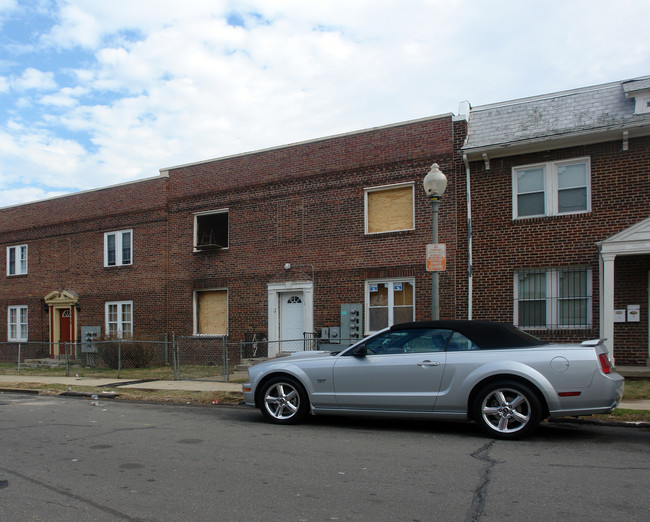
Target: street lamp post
{"type": "Point", "coordinates": [435, 183]}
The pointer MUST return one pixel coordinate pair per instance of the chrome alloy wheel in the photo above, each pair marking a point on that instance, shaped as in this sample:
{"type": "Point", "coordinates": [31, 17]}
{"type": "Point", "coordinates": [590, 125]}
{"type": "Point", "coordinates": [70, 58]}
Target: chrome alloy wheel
{"type": "Point", "coordinates": [282, 401]}
{"type": "Point", "coordinates": [506, 410]}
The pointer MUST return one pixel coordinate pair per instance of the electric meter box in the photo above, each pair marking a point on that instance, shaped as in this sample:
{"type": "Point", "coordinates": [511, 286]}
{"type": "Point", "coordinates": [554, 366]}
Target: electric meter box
{"type": "Point", "coordinates": [351, 323]}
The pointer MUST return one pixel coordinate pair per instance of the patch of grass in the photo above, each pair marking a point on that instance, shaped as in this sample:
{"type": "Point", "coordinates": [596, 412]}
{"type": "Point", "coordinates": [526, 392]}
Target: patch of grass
{"type": "Point", "coordinates": [620, 414]}
{"type": "Point", "coordinates": [636, 389]}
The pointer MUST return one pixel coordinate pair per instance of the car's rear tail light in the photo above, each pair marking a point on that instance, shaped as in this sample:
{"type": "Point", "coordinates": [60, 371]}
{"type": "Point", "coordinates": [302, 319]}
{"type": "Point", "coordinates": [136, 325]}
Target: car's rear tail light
{"type": "Point", "coordinates": [604, 363]}
{"type": "Point", "coordinates": [569, 394]}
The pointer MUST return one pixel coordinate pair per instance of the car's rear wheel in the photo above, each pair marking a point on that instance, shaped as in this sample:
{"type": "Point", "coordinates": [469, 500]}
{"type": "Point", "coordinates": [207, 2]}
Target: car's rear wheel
{"type": "Point", "coordinates": [284, 400]}
{"type": "Point", "coordinates": [507, 410]}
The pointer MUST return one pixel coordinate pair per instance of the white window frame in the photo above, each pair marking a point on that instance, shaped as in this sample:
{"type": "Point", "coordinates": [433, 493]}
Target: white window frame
{"type": "Point", "coordinates": [18, 325]}
{"type": "Point", "coordinates": [553, 299]}
{"type": "Point", "coordinates": [119, 331]}
{"type": "Point", "coordinates": [391, 303]}
{"type": "Point", "coordinates": [17, 256]}
{"type": "Point", "coordinates": [119, 244]}
{"type": "Point", "coordinates": [198, 215]}
{"type": "Point", "coordinates": [551, 189]}
{"type": "Point", "coordinates": [382, 188]}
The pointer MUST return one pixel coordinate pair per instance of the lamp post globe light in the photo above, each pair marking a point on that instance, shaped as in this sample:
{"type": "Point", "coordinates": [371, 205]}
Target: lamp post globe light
{"type": "Point", "coordinates": [435, 184]}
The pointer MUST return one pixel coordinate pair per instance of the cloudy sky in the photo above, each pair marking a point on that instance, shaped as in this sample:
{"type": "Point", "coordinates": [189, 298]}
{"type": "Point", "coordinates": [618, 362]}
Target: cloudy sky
{"type": "Point", "coordinates": [95, 93]}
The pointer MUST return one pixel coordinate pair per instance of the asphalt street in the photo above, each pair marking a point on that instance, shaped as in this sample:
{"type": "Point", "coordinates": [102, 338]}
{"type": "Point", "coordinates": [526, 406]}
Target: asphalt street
{"type": "Point", "coordinates": [64, 458]}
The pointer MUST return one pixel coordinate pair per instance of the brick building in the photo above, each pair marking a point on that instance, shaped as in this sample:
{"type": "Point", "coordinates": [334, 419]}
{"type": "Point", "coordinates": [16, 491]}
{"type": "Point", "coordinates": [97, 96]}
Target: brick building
{"type": "Point", "coordinates": [83, 260]}
{"type": "Point", "coordinates": [275, 242]}
{"type": "Point", "coordinates": [271, 243]}
{"type": "Point", "coordinates": [560, 213]}
{"type": "Point", "coordinates": [546, 220]}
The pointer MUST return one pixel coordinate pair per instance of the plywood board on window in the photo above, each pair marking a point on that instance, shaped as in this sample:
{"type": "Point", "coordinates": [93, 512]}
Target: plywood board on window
{"type": "Point", "coordinates": [213, 312]}
{"type": "Point", "coordinates": [390, 209]}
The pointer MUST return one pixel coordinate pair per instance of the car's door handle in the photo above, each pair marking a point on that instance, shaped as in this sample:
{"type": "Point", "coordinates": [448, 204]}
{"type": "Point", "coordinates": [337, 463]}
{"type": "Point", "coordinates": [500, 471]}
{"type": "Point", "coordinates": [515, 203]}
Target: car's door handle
{"type": "Point", "coordinates": [427, 363]}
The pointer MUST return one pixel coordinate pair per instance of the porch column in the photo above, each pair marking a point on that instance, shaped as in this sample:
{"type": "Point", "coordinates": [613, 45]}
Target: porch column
{"type": "Point", "coordinates": [607, 301]}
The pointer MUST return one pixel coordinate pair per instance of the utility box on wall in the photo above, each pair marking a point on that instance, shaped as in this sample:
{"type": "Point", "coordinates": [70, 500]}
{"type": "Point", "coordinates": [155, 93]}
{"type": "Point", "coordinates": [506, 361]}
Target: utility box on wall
{"type": "Point", "coordinates": [88, 335]}
{"type": "Point", "coordinates": [351, 323]}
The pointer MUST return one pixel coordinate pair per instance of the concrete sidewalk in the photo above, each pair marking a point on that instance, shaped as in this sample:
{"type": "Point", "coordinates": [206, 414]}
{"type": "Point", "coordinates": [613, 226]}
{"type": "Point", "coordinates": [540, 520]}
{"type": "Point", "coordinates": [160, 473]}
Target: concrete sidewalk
{"type": "Point", "coordinates": [197, 386]}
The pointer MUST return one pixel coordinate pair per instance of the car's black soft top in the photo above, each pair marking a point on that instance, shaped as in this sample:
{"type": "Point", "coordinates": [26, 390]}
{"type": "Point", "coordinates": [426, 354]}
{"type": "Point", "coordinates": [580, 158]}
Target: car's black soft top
{"type": "Point", "coordinates": [486, 334]}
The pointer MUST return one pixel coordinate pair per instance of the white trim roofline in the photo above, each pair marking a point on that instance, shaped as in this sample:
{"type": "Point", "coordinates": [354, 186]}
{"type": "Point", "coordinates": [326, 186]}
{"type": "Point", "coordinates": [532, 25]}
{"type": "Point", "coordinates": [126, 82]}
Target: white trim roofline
{"type": "Point", "coordinates": [166, 170]}
{"type": "Point", "coordinates": [633, 240]}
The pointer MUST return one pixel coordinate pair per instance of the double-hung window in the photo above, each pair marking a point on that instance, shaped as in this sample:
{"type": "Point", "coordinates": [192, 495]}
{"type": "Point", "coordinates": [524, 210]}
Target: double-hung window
{"type": "Point", "coordinates": [17, 323]}
{"type": "Point", "coordinates": [119, 319]}
{"type": "Point", "coordinates": [118, 248]}
{"type": "Point", "coordinates": [550, 189]}
{"type": "Point", "coordinates": [17, 260]}
{"type": "Point", "coordinates": [389, 208]}
{"type": "Point", "coordinates": [553, 298]}
{"type": "Point", "coordinates": [389, 302]}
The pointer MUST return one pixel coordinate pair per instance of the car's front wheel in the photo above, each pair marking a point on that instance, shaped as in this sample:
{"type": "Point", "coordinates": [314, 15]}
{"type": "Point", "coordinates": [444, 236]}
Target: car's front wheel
{"type": "Point", "coordinates": [284, 401]}
{"type": "Point", "coordinates": [507, 410]}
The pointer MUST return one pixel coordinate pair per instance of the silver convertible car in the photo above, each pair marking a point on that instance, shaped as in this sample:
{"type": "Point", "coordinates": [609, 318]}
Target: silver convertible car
{"type": "Point", "coordinates": [502, 378]}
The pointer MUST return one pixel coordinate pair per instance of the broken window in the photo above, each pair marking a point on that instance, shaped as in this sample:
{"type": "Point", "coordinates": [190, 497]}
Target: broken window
{"type": "Point", "coordinates": [211, 230]}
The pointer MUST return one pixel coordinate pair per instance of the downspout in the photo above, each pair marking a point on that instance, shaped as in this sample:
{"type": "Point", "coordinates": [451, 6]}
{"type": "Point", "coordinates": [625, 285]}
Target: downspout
{"type": "Point", "coordinates": [469, 237]}
{"type": "Point", "coordinates": [464, 111]}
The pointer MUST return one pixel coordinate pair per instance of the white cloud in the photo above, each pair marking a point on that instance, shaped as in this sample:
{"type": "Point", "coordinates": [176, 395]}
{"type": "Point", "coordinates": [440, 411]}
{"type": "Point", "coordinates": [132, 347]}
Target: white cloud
{"type": "Point", "coordinates": [7, 5]}
{"type": "Point", "coordinates": [18, 196]}
{"type": "Point", "coordinates": [137, 86]}
{"type": "Point", "coordinates": [66, 97]}
{"type": "Point", "coordinates": [34, 79]}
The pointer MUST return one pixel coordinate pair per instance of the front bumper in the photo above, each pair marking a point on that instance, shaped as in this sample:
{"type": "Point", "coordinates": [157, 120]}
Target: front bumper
{"type": "Point", "coordinates": [249, 394]}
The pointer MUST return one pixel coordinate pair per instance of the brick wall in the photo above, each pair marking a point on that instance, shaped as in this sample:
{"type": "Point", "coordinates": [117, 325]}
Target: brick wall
{"type": "Point", "coordinates": [304, 204]}
{"type": "Point", "coordinates": [65, 238]}
{"type": "Point", "coordinates": [620, 198]}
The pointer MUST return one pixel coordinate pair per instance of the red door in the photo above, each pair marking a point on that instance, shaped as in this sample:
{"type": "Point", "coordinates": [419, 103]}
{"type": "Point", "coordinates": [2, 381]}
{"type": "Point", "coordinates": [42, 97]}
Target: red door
{"type": "Point", "coordinates": [65, 332]}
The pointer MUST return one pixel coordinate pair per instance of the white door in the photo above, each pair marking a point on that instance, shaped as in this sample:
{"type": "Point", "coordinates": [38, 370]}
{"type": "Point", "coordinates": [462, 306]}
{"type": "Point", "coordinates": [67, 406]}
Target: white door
{"type": "Point", "coordinates": [292, 318]}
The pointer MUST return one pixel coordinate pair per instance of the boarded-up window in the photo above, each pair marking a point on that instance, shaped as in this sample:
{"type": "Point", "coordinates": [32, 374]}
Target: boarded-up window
{"type": "Point", "coordinates": [389, 209]}
{"type": "Point", "coordinates": [212, 312]}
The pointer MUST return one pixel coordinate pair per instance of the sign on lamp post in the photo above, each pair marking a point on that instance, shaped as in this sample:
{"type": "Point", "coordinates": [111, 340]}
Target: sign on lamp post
{"type": "Point", "coordinates": [436, 257]}
{"type": "Point", "coordinates": [435, 183]}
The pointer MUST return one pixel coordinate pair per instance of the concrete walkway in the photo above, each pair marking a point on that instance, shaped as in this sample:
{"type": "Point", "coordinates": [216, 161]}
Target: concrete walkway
{"type": "Point", "coordinates": [197, 386]}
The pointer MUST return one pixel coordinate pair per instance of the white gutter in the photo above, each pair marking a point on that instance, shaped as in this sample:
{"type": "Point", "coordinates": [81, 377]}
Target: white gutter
{"type": "Point", "coordinates": [464, 111]}
{"type": "Point", "coordinates": [469, 237]}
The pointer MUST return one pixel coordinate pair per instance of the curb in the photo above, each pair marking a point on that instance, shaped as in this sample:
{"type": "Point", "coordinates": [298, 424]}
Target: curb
{"type": "Point", "coordinates": [19, 390]}
{"type": "Point", "coordinates": [599, 422]}
{"type": "Point", "coordinates": [71, 393]}
{"type": "Point", "coordinates": [560, 420]}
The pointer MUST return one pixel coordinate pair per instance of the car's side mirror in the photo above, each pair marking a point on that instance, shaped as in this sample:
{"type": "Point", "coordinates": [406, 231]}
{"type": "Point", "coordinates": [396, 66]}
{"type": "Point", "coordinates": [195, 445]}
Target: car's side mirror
{"type": "Point", "coordinates": [359, 351]}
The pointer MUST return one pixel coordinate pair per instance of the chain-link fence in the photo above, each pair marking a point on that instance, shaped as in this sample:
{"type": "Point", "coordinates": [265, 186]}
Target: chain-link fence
{"type": "Point", "coordinates": [217, 359]}
{"type": "Point", "coordinates": [119, 358]}
{"type": "Point", "coordinates": [18, 352]}
{"type": "Point", "coordinates": [180, 358]}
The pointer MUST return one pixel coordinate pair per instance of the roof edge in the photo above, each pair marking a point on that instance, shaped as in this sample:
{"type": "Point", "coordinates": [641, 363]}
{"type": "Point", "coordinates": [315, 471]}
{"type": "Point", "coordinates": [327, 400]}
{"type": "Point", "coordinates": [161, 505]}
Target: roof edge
{"type": "Point", "coordinates": [87, 191]}
{"type": "Point", "coordinates": [166, 170]}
